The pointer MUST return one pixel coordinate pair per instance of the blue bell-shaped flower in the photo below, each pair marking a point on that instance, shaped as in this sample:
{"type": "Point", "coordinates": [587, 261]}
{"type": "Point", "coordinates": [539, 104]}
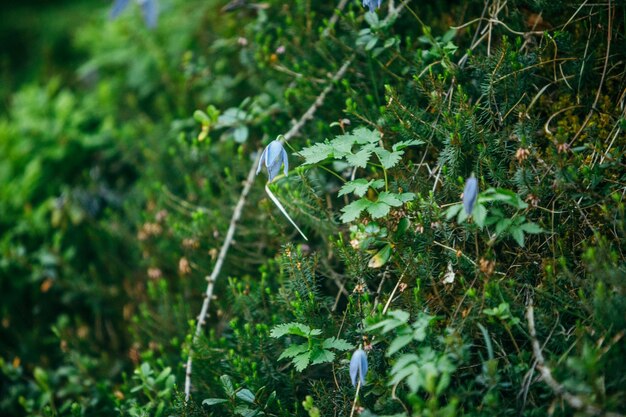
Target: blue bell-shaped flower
{"type": "Point", "coordinates": [273, 156]}
{"type": "Point", "coordinates": [358, 366]}
{"type": "Point", "coordinates": [470, 193]}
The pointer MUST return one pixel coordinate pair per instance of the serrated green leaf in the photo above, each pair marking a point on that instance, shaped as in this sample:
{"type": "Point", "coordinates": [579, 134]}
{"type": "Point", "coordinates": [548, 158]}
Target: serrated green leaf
{"type": "Point", "coordinates": [518, 235]}
{"type": "Point", "coordinates": [342, 145]}
{"type": "Point", "coordinates": [295, 328]}
{"type": "Point", "coordinates": [376, 184]}
{"type": "Point", "coordinates": [404, 197]}
{"type": "Point", "coordinates": [316, 153]}
{"type": "Point", "coordinates": [405, 143]}
{"type": "Point", "coordinates": [398, 343]}
{"type": "Point", "coordinates": [479, 214]}
{"type": "Point", "coordinates": [378, 209]}
{"type": "Point", "coordinates": [388, 159]}
{"type": "Point", "coordinates": [390, 199]}
{"type": "Point", "coordinates": [453, 211]}
{"type": "Point", "coordinates": [339, 344]}
{"type": "Point", "coordinates": [363, 135]}
{"type": "Point", "coordinates": [353, 210]}
{"type": "Point", "coordinates": [321, 356]}
{"type": "Point", "coordinates": [358, 187]}
{"type": "Point", "coordinates": [360, 158]}
{"type": "Point", "coordinates": [293, 350]}
{"type": "Point", "coordinates": [503, 225]}
{"type": "Point", "coordinates": [301, 361]}
{"type": "Point", "coordinates": [532, 228]}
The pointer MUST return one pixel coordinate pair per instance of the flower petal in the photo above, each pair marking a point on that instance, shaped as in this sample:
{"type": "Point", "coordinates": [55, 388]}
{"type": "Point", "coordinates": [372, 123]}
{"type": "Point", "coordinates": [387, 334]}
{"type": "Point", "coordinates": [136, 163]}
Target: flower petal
{"type": "Point", "coordinates": [358, 365]}
{"type": "Point", "coordinates": [469, 194]}
{"type": "Point", "coordinates": [285, 161]}
{"type": "Point", "coordinates": [261, 161]}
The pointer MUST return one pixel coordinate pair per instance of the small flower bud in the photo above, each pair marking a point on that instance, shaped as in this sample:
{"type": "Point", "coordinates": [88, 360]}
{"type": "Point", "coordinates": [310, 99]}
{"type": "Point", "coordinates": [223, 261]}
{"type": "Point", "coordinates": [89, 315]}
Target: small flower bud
{"type": "Point", "coordinates": [358, 365]}
{"type": "Point", "coordinates": [470, 193]}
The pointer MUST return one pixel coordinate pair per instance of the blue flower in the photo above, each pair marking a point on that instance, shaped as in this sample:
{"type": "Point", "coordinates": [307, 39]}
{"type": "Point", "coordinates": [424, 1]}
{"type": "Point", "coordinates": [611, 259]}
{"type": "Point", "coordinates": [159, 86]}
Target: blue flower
{"type": "Point", "coordinates": [358, 365]}
{"type": "Point", "coordinates": [372, 4]}
{"type": "Point", "coordinates": [149, 9]}
{"type": "Point", "coordinates": [469, 194]}
{"type": "Point", "coordinates": [272, 158]}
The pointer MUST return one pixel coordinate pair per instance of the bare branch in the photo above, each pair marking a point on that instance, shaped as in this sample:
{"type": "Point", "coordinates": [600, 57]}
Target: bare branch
{"type": "Point", "coordinates": [216, 270]}
{"type": "Point", "coordinates": [572, 400]}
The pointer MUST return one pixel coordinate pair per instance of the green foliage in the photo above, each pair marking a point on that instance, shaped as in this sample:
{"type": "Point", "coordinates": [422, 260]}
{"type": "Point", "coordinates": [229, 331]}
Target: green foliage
{"type": "Point", "coordinates": [119, 181]}
{"type": "Point", "coordinates": [314, 351]}
{"type": "Point", "coordinates": [515, 226]}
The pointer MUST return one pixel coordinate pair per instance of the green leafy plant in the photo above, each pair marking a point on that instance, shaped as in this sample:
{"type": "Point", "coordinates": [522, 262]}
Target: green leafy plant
{"type": "Point", "coordinates": [242, 401]}
{"type": "Point", "coordinates": [355, 150]}
{"type": "Point", "coordinates": [315, 351]}
{"type": "Point", "coordinates": [486, 215]}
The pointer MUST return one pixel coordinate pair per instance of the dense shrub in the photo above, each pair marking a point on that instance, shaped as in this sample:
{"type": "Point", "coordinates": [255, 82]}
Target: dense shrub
{"type": "Point", "coordinates": [119, 182]}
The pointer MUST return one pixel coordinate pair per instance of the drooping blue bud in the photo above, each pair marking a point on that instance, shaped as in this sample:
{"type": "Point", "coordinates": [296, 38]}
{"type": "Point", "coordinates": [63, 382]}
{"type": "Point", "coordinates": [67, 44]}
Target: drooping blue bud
{"type": "Point", "coordinates": [470, 193]}
{"type": "Point", "coordinates": [372, 4]}
{"type": "Point", "coordinates": [273, 156]}
{"type": "Point", "coordinates": [358, 365]}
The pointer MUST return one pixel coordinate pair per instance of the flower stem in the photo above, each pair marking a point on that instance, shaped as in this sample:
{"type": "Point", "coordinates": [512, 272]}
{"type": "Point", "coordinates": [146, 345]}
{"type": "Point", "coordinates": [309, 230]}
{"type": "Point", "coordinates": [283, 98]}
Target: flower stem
{"type": "Point", "coordinates": [282, 209]}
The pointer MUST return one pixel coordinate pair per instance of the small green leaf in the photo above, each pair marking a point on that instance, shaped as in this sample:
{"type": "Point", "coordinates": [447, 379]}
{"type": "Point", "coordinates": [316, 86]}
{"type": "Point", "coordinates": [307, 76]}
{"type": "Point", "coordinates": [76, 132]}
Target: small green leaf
{"type": "Point", "coordinates": [453, 211]}
{"type": "Point", "coordinates": [301, 361]}
{"type": "Point", "coordinates": [316, 153]}
{"type": "Point", "coordinates": [293, 350]}
{"type": "Point", "coordinates": [353, 210]}
{"type": "Point", "coordinates": [532, 228]}
{"type": "Point", "coordinates": [295, 328]}
{"type": "Point", "coordinates": [378, 209]}
{"type": "Point", "coordinates": [480, 214]}
{"type": "Point", "coordinates": [381, 257]}
{"type": "Point", "coordinates": [398, 343]}
{"type": "Point", "coordinates": [405, 197]}
{"type": "Point", "coordinates": [245, 411]}
{"type": "Point", "coordinates": [213, 401]}
{"type": "Point", "coordinates": [201, 117]}
{"type": "Point", "coordinates": [518, 235]}
{"type": "Point", "coordinates": [389, 199]}
{"type": "Point", "coordinates": [388, 159]}
{"type": "Point", "coordinates": [360, 158]}
{"type": "Point", "coordinates": [321, 356]}
{"type": "Point", "coordinates": [227, 385]}
{"type": "Point", "coordinates": [405, 143]}
{"type": "Point", "coordinates": [339, 344]}
{"type": "Point", "coordinates": [358, 187]}
{"type": "Point", "coordinates": [245, 395]}
{"type": "Point", "coordinates": [363, 135]}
